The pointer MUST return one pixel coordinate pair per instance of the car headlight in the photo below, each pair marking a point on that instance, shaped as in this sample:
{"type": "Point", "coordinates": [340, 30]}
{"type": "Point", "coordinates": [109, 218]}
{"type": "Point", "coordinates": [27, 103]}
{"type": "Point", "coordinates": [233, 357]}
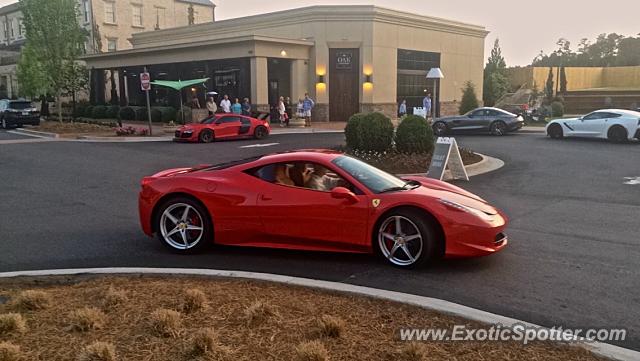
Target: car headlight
{"type": "Point", "coordinates": [462, 208]}
{"type": "Point", "coordinates": [188, 131]}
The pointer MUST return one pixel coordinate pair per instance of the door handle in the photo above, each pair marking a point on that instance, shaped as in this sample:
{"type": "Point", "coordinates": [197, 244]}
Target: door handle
{"type": "Point", "coordinates": [265, 198]}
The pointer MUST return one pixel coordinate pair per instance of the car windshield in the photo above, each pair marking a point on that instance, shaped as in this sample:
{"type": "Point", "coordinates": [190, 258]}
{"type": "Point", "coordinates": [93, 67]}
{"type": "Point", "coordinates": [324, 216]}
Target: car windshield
{"type": "Point", "coordinates": [209, 120]}
{"type": "Point", "coordinates": [376, 180]}
{"type": "Point", "coordinates": [20, 105]}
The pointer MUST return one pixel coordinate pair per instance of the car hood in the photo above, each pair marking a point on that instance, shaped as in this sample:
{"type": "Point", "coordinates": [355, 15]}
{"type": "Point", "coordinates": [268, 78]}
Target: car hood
{"type": "Point", "coordinates": [439, 189]}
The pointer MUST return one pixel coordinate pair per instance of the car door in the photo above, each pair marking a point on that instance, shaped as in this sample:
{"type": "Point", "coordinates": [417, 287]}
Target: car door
{"type": "Point", "coordinates": [475, 121]}
{"type": "Point", "coordinates": [591, 125]}
{"type": "Point", "coordinates": [304, 218]}
{"type": "Point", "coordinates": [227, 126]}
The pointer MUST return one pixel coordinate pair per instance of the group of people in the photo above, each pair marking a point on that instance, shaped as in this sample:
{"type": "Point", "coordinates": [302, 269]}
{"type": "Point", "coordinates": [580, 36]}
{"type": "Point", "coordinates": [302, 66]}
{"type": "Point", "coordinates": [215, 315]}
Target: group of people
{"type": "Point", "coordinates": [426, 105]}
{"type": "Point", "coordinates": [303, 175]}
{"type": "Point", "coordinates": [303, 110]}
{"type": "Point", "coordinates": [226, 106]}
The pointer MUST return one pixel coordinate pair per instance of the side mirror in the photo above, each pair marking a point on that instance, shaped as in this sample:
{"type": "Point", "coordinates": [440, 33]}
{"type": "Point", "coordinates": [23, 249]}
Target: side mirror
{"type": "Point", "coordinates": [344, 193]}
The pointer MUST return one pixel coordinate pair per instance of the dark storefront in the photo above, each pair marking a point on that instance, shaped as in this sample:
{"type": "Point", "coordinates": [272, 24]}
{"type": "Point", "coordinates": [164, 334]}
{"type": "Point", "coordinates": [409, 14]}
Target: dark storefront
{"type": "Point", "coordinates": [413, 84]}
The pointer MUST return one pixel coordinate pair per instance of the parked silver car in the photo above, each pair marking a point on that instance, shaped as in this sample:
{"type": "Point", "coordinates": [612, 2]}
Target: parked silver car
{"type": "Point", "coordinates": [482, 120]}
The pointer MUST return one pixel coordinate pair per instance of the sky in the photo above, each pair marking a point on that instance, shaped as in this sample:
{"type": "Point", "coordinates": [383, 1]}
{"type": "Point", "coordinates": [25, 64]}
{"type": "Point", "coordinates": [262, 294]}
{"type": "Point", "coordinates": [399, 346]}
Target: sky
{"type": "Point", "coordinates": [523, 27]}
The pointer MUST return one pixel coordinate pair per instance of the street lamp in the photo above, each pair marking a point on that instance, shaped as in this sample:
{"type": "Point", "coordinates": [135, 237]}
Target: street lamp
{"type": "Point", "coordinates": [435, 74]}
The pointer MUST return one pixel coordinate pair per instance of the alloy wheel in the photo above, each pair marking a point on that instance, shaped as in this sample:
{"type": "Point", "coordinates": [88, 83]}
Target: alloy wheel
{"type": "Point", "coordinates": [440, 129]}
{"type": "Point", "coordinates": [400, 241]}
{"type": "Point", "coordinates": [181, 226]}
{"type": "Point", "coordinates": [498, 128]}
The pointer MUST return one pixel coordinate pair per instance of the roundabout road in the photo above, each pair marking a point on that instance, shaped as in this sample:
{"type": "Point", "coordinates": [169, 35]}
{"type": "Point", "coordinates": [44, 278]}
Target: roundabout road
{"type": "Point", "coordinates": [572, 262]}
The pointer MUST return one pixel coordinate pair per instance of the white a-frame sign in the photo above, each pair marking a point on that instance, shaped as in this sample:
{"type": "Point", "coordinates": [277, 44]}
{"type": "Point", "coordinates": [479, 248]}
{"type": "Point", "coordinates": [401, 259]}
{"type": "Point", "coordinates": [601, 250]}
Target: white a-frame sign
{"type": "Point", "coordinates": [447, 155]}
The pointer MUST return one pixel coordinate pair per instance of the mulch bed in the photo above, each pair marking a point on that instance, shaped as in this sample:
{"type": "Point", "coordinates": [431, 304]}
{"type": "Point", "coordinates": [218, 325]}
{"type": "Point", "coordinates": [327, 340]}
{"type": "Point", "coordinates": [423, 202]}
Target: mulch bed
{"type": "Point", "coordinates": [400, 163]}
{"type": "Point", "coordinates": [220, 319]}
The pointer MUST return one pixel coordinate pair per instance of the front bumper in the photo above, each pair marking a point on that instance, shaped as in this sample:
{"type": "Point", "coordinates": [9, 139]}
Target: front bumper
{"type": "Point", "coordinates": [181, 136]}
{"type": "Point", "coordinates": [467, 241]}
{"type": "Point", "coordinates": [13, 119]}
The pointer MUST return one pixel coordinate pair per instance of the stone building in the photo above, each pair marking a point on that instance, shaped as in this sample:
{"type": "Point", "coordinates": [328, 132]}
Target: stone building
{"type": "Point", "coordinates": [349, 58]}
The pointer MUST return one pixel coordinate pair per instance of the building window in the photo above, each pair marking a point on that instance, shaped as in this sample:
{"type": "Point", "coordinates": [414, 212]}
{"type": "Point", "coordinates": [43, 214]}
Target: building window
{"type": "Point", "coordinates": [160, 18]}
{"type": "Point", "coordinates": [20, 28]}
{"type": "Point", "coordinates": [112, 45]}
{"type": "Point", "coordinates": [413, 85]}
{"type": "Point", "coordinates": [110, 12]}
{"type": "Point", "coordinates": [137, 15]}
{"type": "Point", "coordinates": [13, 28]}
{"type": "Point", "coordinates": [85, 11]}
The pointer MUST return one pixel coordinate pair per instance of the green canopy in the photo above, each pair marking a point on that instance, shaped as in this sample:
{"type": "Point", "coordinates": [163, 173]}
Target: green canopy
{"type": "Point", "coordinates": [179, 85]}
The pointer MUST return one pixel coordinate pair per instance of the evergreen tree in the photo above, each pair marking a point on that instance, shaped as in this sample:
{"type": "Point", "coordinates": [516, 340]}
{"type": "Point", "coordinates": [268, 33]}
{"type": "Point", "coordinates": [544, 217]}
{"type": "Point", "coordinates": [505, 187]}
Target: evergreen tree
{"type": "Point", "coordinates": [469, 98]}
{"type": "Point", "coordinates": [496, 82]}
{"type": "Point", "coordinates": [548, 89]}
{"type": "Point", "coordinates": [563, 81]}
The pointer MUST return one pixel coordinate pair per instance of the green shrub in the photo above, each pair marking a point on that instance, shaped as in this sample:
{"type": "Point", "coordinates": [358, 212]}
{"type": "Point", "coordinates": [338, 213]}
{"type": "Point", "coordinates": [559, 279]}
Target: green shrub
{"type": "Point", "coordinates": [141, 113]}
{"type": "Point", "coordinates": [374, 133]}
{"type": "Point", "coordinates": [163, 114]}
{"type": "Point", "coordinates": [557, 109]}
{"type": "Point", "coordinates": [88, 111]}
{"type": "Point", "coordinates": [352, 130]}
{"type": "Point", "coordinates": [99, 112]}
{"type": "Point", "coordinates": [377, 133]}
{"type": "Point", "coordinates": [128, 113]}
{"type": "Point", "coordinates": [187, 115]}
{"type": "Point", "coordinates": [113, 112]}
{"type": "Point", "coordinates": [414, 135]}
{"type": "Point", "coordinates": [81, 108]}
{"type": "Point", "coordinates": [469, 98]}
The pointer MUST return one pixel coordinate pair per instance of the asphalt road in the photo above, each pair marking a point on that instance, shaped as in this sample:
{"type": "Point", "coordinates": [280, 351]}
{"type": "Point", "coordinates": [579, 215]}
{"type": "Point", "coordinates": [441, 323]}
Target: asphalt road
{"type": "Point", "coordinates": [572, 262]}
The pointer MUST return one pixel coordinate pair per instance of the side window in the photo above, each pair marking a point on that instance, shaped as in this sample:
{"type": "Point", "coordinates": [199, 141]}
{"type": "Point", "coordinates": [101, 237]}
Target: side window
{"type": "Point", "coordinates": [478, 113]}
{"type": "Point", "coordinates": [494, 113]}
{"type": "Point", "coordinates": [302, 175]}
{"type": "Point", "coordinates": [613, 115]}
{"type": "Point", "coordinates": [225, 120]}
{"type": "Point", "coordinates": [245, 121]}
{"type": "Point", "coordinates": [594, 116]}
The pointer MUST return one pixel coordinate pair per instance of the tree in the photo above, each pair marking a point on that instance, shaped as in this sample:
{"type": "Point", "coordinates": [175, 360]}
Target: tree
{"type": "Point", "coordinates": [31, 74]}
{"type": "Point", "coordinates": [563, 81]}
{"type": "Point", "coordinates": [496, 82]}
{"type": "Point", "coordinates": [469, 98]}
{"type": "Point", "coordinates": [76, 79]}
{"type": "Point", "coordinates": [51, 27]}
{"type": "Point", "coordinates": [548, 89]}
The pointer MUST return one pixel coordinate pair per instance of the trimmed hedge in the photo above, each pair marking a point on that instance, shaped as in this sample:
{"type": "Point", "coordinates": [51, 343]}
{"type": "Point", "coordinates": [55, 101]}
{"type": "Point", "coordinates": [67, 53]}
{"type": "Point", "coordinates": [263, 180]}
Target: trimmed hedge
{"type": "Point", "coordinates": [163, 114]}
{"type": "Point", "coordinates": [113, 112]}
{"type": "Point", "coordinates": [88, 111]}
{"type": "Point", "coordinates": [369, 132]}
{"type": "Point", "coordinates": [99, 112]}
{"type": "Point", "coordinates": [557, 109]}
{"type": "Point", "coordinates": [414, 135]}
{"type": "Point", "coordinates": [128, 113]}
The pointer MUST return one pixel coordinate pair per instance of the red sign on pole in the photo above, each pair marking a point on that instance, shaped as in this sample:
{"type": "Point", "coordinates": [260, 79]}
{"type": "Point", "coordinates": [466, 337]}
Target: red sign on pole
{"type": "Point", "coordinates": [145, 81]}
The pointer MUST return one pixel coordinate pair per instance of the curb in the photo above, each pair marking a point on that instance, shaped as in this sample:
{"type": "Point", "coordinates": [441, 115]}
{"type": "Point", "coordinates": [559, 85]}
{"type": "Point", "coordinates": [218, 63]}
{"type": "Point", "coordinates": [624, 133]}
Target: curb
{"type": "Point", "coordinates": [602, 349]}
{"type": "Point", "coordinates": [306, 131]}
{"type": "Point", "coordinates": [486, 165]}
{"type": "Point", "coordinates": [35, 133]}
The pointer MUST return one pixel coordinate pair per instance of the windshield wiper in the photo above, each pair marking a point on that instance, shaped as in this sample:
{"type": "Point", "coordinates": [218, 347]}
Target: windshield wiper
{"type": "Point", "coordinates": [415, 184]}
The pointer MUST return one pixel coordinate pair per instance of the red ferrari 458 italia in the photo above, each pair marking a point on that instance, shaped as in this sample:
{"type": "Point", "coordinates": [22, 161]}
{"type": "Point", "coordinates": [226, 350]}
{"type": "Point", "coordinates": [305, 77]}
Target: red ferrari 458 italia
{"type": "Point", "coordinates": [318, 200]}
{"type": "Point", "coordinates": [223, 126]}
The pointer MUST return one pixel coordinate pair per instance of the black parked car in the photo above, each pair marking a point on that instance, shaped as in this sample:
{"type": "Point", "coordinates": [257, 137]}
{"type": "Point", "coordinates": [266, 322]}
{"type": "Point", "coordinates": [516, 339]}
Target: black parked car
{"type": "Point", "coordinates": [16, 113]}
{"type": "Point", "coordinates": [482, 120]}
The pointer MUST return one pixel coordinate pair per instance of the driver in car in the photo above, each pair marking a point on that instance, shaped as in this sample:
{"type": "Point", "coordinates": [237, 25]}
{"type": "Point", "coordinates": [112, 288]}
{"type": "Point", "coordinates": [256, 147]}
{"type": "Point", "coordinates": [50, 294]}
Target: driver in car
{"type": "Point", "coordinates": [319, 180]}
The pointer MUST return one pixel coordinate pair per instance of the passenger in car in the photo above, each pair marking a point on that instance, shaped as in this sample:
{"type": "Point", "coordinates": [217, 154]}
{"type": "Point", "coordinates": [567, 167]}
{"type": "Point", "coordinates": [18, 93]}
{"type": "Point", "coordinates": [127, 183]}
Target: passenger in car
{"type": "Point", "coordinates": [282, 175]}
{"type": "Point", "coordinates": [299, 174]}
{"type": "Point", "coordinates": [319, 180]}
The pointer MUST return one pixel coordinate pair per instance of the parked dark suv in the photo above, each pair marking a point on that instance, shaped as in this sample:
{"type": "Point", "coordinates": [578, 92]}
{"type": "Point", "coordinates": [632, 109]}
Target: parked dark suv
{"type": "Point", "coordinates": [16, 113]}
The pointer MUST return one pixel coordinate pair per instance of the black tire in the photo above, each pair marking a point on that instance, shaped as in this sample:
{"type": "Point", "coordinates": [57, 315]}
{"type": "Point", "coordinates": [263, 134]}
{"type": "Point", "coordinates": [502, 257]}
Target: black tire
{"type": "Point", "coordinates": [498, 128]}
{"type": "Point", "coordinates": [617, 134]}
{"type": "Point", "coordinates": [555, 131]}
{"type": "Point", "coordinates": [205, 239]}
{"type": "Point", "coordinates": [260, 132]}
{"type": "Point", "coordinates": [206, 136]}
{"type": "Point", "coordinates": [428, 241]}
{"type": "Point", "coordinates": [440, 129]}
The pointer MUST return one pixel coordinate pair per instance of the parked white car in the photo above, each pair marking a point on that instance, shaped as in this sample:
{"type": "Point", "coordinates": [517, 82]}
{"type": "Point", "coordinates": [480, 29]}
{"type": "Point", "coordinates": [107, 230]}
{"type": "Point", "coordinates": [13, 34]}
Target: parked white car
{"type": "Point", "coordinates": [614, 124]}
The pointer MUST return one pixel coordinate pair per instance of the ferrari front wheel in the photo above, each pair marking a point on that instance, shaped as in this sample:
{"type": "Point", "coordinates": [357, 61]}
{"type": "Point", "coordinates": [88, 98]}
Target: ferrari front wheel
{"type": "Point", "coordinates": [183, 225]}
{"type": "Point", "coordinates": [405, 239]}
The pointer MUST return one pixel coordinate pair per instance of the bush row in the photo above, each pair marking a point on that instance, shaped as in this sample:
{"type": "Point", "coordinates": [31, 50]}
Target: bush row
{"type": "Point", "coordinates": [158, 114]}
{"type": "Point", "coordinates": [374, 132]}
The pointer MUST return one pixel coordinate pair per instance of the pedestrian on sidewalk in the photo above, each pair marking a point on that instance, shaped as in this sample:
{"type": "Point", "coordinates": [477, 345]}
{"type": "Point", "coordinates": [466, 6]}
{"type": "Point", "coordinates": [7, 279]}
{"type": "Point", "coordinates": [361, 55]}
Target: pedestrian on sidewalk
{"type": "Point", "coordinates": [236, 108]}
{"type": "Point", "coordinates": [195, 103]}
{"type": "Point", "coordinates": [246, 107]}
{"type": "Point", "coordinates": [282, 113]}
{"type": "Point", "coordinates": [211, 106]}
{"type": "Point", "coordinates": [426, 105]}
{"type": "Point", "coordinates": [402, 110]}
{"type": "Point", "coordinates": [225, 104]}
{"type": "Point", "coordinates": [307, 106]}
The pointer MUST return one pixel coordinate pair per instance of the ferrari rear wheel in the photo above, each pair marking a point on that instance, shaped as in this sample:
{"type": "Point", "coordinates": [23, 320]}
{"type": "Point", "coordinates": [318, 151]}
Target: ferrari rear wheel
{"type": "Point", "coordinates": [206, 136]}
{"type": "Point", "coordinates": [183, 225]}
{"type": "Point", "coordinates": [405, 239]}
{"type": "Point", "coordinates": [498, 128]}
{"type": "Point", "coordinates": [260, 132]}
